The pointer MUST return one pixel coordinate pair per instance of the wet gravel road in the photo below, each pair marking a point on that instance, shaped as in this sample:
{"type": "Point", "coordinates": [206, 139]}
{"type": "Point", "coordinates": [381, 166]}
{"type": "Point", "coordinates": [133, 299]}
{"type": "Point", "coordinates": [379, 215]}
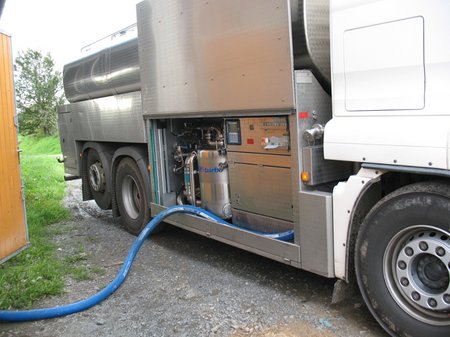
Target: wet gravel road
{"type": "Point", "coordinates": [182, 284]}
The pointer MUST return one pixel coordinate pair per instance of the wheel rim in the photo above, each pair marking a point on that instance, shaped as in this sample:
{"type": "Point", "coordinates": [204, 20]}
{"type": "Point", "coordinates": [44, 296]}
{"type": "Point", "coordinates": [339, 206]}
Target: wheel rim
{"type": "Point", "coordinates": [97, 177]}
{"type": "Point", "coordinates": [416, 268]}
{"type": "Point", "coordinates": [131, 197]}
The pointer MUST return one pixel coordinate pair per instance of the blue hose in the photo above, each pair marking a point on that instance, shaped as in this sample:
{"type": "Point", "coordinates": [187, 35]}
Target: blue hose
{"type": "Point", "coordinates": [38, 314]}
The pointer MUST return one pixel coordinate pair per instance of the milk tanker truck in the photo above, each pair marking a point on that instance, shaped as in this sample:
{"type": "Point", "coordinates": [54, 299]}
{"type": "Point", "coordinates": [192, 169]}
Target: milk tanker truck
{"type": "Point", "coordinates": [328, 120]}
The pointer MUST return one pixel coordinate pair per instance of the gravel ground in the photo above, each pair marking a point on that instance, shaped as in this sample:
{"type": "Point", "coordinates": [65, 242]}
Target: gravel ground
{"type": "Point", "coordinates": [182, 284]}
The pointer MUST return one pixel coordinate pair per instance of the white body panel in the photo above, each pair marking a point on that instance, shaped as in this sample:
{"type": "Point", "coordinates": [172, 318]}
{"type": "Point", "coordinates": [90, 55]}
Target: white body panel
{"type": "Point", "coordinates": [448, 149]}
{"type": "Point", "coordinates": [391, 82]}
{"type": "Point", "coordinates": [397, 140]}
{"type": "Point", "coordinates": [345, 196]}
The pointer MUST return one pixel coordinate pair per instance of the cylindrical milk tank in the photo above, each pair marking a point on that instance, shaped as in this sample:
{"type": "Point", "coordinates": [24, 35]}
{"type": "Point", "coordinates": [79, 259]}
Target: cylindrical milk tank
{"type": "Point", "coordinates": [115, 70]}
{"type": "Point", "coordinates": [214, 185]}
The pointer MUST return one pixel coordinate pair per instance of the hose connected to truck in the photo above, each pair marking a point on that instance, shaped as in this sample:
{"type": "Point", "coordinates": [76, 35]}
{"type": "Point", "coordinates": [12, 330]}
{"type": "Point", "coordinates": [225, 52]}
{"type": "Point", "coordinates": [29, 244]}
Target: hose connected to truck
{"type": "Point", "coordinates": [58, 311]}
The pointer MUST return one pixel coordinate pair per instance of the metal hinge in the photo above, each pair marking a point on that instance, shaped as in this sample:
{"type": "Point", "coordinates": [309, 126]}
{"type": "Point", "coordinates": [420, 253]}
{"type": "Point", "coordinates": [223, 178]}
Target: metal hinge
{"type": "Point", "coordinates": [16, 121]}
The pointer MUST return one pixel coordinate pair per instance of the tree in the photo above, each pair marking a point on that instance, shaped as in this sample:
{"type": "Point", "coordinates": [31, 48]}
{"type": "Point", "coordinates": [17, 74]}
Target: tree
{"type": "Point", "coordinates": [38, 92]}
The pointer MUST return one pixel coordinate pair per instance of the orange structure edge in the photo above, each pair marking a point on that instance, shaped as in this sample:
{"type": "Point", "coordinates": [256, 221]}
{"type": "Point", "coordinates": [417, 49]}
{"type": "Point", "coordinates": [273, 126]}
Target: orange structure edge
{"type": "Point", "coordinates": [13, 229]}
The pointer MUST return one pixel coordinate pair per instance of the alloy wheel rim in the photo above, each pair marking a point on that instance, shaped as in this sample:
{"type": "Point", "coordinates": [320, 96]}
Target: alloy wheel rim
{"type": "Point", "coordinates": [131, 197]}
{"type": "Point", "coordinates": [416, 269]}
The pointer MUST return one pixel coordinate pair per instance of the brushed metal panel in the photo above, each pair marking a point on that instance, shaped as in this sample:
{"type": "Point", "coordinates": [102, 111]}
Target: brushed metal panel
{"type": "Point", "coordinates": [210, 57]}
{"type": "Point", "coordinates": [260, 189]}
{"type": "Point", "coordinates": [295, 175]}
{"type": "Point", "coordinates": [313, 229]}
{"type": "Point", "coordinates": [259, 159]}
{"type": "Point", "coordinates": [316, 235]}
{"type": "Point", "coordinates": [313, 105]}
{"type": "Point", "coordinates": [111, 71]}
{"type": "Point", "coordinates": [322, 170]}
{"type": "Point", "coordinates": [260, 223]}
{"type": "Point", "coordinates": [109, 119]}
{"type": "Point", "coordinates": [274, 249]}
{"type": "Point", "coordinates": [67, 140]}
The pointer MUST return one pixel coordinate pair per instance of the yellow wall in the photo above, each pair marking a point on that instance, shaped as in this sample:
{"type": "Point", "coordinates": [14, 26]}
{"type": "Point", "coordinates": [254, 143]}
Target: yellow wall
{"type": "Point", "coordinates": [13, 232]}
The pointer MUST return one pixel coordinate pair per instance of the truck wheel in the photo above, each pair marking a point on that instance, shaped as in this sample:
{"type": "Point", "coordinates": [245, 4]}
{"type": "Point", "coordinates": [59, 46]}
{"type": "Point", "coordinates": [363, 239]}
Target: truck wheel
{"type": "Point", "coordinates": [402, 261]}
{"type": "Point", "coordinates": [97, 180]}
{"type": "Point", "coordinates": [131, 196]}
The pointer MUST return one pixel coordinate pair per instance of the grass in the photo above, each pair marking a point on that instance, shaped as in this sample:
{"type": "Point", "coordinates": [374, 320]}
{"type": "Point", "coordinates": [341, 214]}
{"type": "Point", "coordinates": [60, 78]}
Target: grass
{"type": "Point", "coordinates": [77, 269]}
{"type": "Point", "coordinates": [39, 145]}
{"type": "Point", "coordinates": [37, 272]}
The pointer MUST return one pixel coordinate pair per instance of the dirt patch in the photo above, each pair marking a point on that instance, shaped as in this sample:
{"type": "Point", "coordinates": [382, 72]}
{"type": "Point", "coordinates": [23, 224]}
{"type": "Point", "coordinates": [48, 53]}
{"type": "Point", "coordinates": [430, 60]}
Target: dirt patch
{"type": "Point", "coordinates": [182, 284]}
{"type": "Point", "coordinates": [297, 329]}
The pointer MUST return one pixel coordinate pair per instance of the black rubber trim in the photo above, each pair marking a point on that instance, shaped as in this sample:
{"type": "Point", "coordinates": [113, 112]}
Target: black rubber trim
{"type": "Point", "coordinates": [408, 169]}
{"type": "Point", "coordinates": [70, 177]}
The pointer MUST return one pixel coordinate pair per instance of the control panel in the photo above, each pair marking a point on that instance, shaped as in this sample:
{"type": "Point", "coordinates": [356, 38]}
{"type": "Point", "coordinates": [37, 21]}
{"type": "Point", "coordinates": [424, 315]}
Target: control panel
{"type": "Point", "coordinates": [268, 135]}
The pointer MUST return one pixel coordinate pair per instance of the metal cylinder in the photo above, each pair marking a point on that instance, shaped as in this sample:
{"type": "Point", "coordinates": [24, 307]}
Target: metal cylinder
{"type": "Point", "coordinates": [111, 71]}
{"type": "Point", "coordinates": [189, 179]}
{"type": "Point", "coordinates": [214, 185]}
{"type": "Point", "coordinates": [310, 21]}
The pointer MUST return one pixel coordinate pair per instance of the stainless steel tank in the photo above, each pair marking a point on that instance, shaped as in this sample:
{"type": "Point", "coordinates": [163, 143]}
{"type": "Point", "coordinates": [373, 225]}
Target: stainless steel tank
{"type": "Point", "coordinates": [214, 185]}
{"type": "Point", "coordinates": [311, 38]}
{"type": "Point", "coordinates": [114, 70]}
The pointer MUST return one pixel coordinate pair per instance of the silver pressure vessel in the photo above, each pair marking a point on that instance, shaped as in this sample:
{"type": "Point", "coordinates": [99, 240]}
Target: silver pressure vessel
{"type": "Point", "coordinates": [114, 70]}
{"type": "Point", "coordinates": [214, 185]}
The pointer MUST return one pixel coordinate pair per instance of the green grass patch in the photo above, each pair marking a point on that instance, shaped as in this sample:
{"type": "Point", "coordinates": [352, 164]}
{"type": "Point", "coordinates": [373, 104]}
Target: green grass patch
{"type": "Point", "coordinates": [85, 273]}
{"type": "Point", "coordinates": [37, 272]}
{"type": "Point", "coordinates": [39, 145]}
{"type": "Point", "coordinates": [78, 270]}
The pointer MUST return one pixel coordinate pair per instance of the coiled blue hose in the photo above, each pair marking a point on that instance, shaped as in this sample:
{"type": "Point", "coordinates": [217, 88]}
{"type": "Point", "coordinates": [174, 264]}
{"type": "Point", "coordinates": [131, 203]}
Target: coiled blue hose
{"type": "Point", "coordinates": [38, 314]}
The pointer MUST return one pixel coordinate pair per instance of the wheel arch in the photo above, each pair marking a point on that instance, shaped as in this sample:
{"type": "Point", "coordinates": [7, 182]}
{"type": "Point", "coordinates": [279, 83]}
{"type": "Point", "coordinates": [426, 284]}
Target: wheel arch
{"type": "Point", "coordinates": [388, 182]}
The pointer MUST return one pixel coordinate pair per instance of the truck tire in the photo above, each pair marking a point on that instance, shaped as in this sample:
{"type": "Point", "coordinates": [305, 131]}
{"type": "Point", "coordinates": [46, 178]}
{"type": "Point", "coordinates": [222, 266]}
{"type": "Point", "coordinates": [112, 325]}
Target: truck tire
{"type": "Point", "coordinates": [97, 180]}
{"type": "Point", "coordinates": [131, 197]}
{"type": "Point", "coordinates": [402, 261]}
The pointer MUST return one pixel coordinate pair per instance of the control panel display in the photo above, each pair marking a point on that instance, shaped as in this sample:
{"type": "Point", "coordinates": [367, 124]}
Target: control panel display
{"type": "Point", "coordinates": [233, 132]}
